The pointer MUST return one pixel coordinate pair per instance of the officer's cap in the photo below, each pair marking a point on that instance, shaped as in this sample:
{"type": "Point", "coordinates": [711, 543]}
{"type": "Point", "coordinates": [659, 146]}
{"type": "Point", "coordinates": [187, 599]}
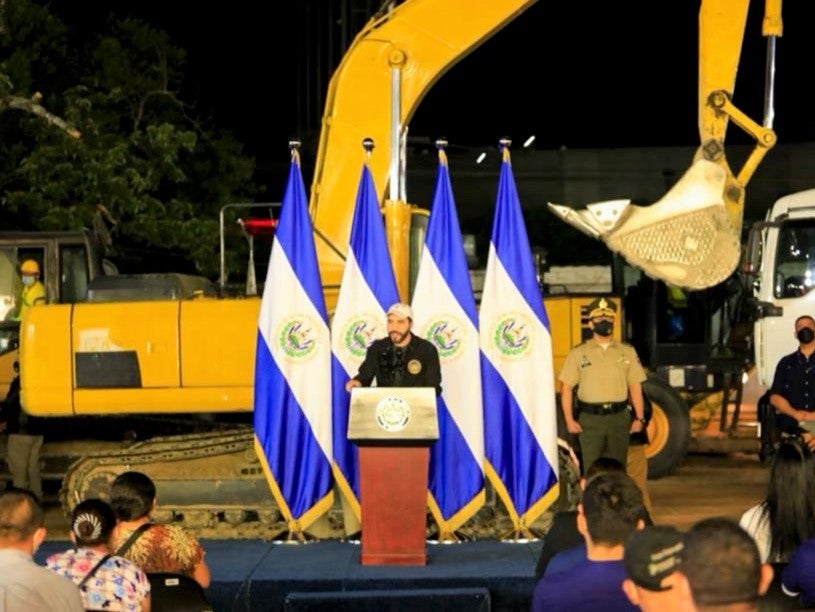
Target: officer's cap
{"type": "Point", "coordinates": [602, 307]}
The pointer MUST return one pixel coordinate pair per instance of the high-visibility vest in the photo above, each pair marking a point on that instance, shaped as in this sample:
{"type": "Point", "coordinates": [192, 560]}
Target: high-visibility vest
{"type": "Point", "coordinates": [32, 295]}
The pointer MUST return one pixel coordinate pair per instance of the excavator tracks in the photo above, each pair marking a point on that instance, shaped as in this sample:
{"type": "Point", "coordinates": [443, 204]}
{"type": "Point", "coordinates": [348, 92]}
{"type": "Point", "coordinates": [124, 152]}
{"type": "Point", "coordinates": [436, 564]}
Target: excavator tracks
{"type": "Point", "coordinates": [213, 484]}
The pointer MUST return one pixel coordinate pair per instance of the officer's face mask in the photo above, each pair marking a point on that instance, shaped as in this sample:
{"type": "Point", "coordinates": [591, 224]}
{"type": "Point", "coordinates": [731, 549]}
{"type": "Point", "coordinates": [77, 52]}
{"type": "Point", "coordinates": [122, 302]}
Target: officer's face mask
{"type": "Point", "coordinates": [805, 335]}
{"type": "Point", "coordinates": [28, 280]}
{"type": "Point", "coordinates": [603, 328]}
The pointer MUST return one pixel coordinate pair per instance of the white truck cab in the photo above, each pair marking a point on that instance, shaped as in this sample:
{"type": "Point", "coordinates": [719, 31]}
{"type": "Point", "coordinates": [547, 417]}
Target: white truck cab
{"type": "Point", "coordinates": [781, 262]}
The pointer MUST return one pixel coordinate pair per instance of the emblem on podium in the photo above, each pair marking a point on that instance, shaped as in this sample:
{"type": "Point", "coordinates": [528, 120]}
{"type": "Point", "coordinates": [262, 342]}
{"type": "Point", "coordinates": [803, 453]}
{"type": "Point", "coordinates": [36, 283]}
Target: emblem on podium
{"type": "Point", "coordinates": [392, 413]}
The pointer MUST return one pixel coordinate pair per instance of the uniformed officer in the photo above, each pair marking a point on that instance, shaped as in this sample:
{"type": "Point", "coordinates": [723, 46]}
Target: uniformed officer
{"type": "Point", "coordinates": [607, 375]}
{"type": "Point", "coordinates": [402, 359]}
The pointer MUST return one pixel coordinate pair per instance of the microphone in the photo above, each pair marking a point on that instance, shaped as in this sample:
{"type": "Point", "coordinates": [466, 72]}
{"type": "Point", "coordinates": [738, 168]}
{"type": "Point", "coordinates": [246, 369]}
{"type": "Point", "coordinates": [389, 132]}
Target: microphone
{"type": "Point", "coordinates": [391, 359]}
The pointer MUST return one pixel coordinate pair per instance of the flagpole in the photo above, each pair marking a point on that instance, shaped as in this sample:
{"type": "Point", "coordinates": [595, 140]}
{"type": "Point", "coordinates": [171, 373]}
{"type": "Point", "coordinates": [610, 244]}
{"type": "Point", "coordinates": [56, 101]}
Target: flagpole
{"type": "Point", "coordinates": [445, 313]}
{"type": "Point", "coordinates": [367, 289]}
{"type": "Point", "coordinates": [516, 347]}
{"type": "Point", "coordinates": [292, 386]}
{"type": "Point", "coordinates": [368, 145]}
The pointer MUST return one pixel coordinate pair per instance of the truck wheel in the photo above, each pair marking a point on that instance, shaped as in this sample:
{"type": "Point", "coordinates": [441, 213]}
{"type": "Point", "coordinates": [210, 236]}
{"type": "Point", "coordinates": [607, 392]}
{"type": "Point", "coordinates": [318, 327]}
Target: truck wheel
{"type": "Point", "coordinates": [668, 431]}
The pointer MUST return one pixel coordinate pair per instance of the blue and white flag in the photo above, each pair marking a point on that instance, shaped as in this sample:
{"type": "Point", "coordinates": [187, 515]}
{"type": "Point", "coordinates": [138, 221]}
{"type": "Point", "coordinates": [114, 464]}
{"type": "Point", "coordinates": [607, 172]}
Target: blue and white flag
{"type": "Point", "coordinates": [445, 314]}
{"type": "Point", "coordinates": [517, 371]}
{"type": "Point", "coordinates": [367, 290]}
{"type": "Point", "coordinates": [292, 369]}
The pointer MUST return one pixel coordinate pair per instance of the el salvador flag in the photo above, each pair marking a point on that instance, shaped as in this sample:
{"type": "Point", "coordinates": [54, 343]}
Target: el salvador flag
{"type": "Point", "coordinates": [445, 314]}
{"type": "Point", "coordinates": [517, 370]}
{"type": "Point", "coordinates": [292, 369]}
{"type": "Point", "coordinates": [367, 290]}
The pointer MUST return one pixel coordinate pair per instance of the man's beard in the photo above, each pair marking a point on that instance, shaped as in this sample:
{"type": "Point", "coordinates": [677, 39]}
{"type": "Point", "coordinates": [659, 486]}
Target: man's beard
{"type": "Point", "coordinates": [397, 337]}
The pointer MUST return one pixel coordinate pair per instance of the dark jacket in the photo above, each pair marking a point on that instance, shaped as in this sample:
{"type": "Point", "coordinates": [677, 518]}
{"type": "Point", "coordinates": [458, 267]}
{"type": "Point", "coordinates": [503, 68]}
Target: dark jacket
{"type": "Point", "coordinates": [12, 414]}
{"type": "Point", "coordinates": [563, 535]}
{"type": "Point", "coordinates": [794, 379]}
{"type": "Point", "coordinates": [415, 365]}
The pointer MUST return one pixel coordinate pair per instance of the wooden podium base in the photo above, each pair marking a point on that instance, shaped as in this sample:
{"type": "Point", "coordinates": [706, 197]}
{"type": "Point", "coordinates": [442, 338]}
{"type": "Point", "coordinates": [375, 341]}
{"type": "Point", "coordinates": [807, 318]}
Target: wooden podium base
{"type": "Point", "coordinates": [393, 497]}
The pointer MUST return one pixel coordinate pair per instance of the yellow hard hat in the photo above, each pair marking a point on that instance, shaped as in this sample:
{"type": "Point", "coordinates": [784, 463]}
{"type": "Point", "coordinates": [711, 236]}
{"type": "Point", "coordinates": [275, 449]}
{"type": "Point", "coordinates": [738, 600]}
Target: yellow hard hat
{"type": "Point", "coordinates": [30, 267]}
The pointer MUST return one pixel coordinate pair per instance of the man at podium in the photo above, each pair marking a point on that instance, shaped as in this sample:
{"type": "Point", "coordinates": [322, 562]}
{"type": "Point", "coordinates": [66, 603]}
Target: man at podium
{"type": "Point", "coordinates": [394, 423]}
{"type": "Point", "coordinates": [402, 359]}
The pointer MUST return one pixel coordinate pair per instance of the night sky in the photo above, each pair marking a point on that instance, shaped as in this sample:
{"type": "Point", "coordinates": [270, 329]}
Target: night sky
{"type": "Point", "coordinates": [576, 74]}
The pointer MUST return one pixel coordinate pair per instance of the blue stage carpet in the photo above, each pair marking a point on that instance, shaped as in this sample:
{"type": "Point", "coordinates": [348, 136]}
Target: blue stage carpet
{"type": "Point", "coordinates": [252, 575]}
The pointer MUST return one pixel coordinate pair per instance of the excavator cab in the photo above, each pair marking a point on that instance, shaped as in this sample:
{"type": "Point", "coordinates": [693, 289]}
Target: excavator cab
{"type": "Point", "coordinates": [68, 261]}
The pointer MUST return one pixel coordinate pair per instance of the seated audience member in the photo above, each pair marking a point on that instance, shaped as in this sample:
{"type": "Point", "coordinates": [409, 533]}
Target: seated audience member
{"type": "Point", "coordinates": [24, 585]}
{"type": "Point", "coordinates": [610, 511]}
{"type": "Point", "coordinates": [721, 568]}
{"type": "Point", "coordinates": [798, 577]}
{"type": "Point", "coordinates": [563, 545]}
{"type": "Point", "coordinates": [652, 556]}
{"type": "Point", "coordinates": [786, 517]}
{"type": "Point", "coordinates": [106, 581]}
{"type": "Point", "coordinates": [160, 548]}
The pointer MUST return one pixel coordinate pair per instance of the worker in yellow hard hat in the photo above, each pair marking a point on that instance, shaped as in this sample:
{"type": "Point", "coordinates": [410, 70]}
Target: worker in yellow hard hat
{"type": "Point", "coordinates": [33, 293]}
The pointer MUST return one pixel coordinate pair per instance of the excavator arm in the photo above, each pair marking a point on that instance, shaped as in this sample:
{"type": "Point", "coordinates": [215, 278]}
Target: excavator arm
{"type": "Point", "coordinates": [88, 359]}
{"type": "Point", "coordinates": [691, 238]}
{"type": "Point", "coordinates": [385, 73]}
{"type": "Point", "coordinates": [721, 31]}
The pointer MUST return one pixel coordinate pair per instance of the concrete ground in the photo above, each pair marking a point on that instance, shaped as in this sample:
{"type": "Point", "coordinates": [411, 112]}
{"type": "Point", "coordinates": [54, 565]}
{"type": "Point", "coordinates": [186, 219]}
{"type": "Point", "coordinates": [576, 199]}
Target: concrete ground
{"type": "Point", "coordinates": [708, 485]}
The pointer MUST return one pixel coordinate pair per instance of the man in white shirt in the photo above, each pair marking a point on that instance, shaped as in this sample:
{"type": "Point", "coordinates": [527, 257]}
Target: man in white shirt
{"type": "Point", "coordinates": [24, 585]}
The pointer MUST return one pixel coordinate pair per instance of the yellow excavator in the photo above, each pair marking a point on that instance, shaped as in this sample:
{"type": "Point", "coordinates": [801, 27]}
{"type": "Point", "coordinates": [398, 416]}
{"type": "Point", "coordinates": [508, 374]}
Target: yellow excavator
{"type": "Point", "coordinates": [153, 347]}
{"type": "Point", "coordinates": [194, 355]}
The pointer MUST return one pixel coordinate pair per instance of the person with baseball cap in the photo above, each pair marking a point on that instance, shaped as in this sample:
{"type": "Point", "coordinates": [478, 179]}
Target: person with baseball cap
{"type": "Point", "coordinates": [714, 566]}
{"type": "Point", "coordinates": [607, 375]}
{"type": "Point", "coordinates": [652, 556]}
{"type": "Point", "coordinates": [401, 359]}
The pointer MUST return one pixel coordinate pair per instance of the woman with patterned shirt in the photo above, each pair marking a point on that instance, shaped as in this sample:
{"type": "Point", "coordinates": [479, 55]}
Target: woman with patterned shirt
{"type": "Point", "coordinates": [115, 583]}
{"type": "Point", "coordinates": [161, 548]}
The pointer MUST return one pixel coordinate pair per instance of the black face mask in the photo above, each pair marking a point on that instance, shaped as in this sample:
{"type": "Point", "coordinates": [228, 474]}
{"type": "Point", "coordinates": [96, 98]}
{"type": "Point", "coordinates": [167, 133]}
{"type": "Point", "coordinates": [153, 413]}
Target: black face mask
{"type": "Point", "coordinates": [805, 335]}
{"type": "Point", "coordinates": [603, 328]}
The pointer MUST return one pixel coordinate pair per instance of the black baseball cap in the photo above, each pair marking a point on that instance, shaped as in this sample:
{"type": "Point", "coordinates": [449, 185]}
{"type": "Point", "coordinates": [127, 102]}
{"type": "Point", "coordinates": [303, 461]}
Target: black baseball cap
{"type": "Point", "coordinates": [653, 553]}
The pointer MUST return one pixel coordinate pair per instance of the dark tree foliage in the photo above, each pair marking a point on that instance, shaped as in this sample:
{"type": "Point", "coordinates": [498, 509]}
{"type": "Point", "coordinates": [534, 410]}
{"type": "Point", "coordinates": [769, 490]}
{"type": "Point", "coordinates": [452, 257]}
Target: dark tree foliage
{"type": "Point", "coordinates": [97, 122]}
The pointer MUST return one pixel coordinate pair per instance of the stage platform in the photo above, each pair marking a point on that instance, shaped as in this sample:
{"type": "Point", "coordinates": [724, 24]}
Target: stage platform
{"type": "Point", "coordinates": [252, 575]}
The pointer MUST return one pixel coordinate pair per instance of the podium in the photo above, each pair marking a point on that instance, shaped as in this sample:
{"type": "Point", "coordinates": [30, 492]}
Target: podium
{"type": "Point", "coordinates": [393, 428]}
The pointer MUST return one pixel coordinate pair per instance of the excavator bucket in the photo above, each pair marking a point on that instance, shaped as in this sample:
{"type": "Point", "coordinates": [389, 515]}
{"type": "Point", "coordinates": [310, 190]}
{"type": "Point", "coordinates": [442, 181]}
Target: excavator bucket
{"type": "Point", "coordinates": [685, 239]}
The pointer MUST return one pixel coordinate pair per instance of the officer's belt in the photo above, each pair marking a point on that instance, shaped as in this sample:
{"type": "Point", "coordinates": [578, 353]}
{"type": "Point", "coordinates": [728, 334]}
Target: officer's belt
{"type": "Point", "coordinates": [602, 408]}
